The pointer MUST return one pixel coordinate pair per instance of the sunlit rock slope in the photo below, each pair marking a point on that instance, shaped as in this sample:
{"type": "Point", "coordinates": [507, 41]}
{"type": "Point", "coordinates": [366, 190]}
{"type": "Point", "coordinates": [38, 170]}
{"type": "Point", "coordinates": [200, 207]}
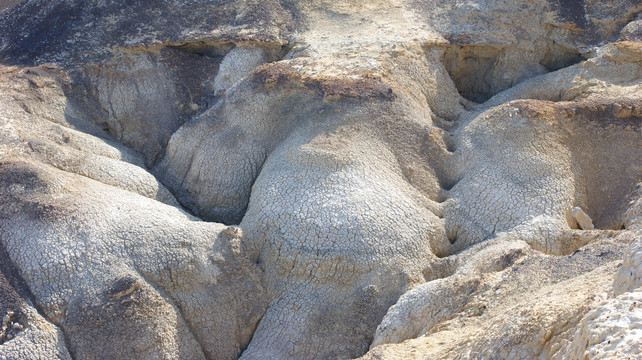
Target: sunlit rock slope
{"type": "Point", "coordinates": [278, 179]}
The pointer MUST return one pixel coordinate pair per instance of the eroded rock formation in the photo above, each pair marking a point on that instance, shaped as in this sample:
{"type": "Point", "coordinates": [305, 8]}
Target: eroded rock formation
{"type": "Point", "coordinates": [320, 179]}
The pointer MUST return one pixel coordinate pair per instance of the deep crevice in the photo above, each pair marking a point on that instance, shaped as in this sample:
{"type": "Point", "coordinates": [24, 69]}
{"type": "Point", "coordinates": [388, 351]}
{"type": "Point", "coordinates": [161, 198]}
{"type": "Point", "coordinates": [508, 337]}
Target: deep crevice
{"type": "Point", "coordinates": [469, 67]}
{"type": "Point", "coordinates": [448, 185]}
{"type": "Point", "coordinates": [559, 56]}
{"type": "Point", "coordinates": [216, 50]}
{"type": "Point", "coordinates": [452, 239]}
{"type": "Point", "coordinates": [185, 66]}
{"type": "Point", "coordinates": [477, 70]}
{"type": "Point", "coordinates": [242, 350]}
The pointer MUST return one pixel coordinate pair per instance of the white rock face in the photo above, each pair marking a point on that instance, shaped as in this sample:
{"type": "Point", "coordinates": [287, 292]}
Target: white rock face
{"type": "Point", "coordinates": [421, 309]}
{"type": "Point", "coordinates": [611, 331]}
{"type": "Point", "coordinates": [629, 275]}
{"type": "Point", "coordinates": [39, 340]}
{"type": "Point", "coordinates": [295, 180]}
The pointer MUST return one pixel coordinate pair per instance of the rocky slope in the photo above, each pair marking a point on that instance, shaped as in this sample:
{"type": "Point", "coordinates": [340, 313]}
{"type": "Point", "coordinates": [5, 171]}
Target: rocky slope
{"type": "Point", "coordinates": [319, 179]}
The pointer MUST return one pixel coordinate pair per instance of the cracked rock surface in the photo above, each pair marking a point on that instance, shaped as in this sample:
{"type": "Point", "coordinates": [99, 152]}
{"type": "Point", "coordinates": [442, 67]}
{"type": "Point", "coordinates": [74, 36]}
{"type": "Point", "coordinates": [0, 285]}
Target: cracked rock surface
{"type": "Point", "coordinates": [387, 179]}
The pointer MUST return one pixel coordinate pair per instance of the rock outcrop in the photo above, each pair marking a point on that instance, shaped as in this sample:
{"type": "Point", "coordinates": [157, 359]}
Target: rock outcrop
{"type": "Point", "coordinates": [318, 179]}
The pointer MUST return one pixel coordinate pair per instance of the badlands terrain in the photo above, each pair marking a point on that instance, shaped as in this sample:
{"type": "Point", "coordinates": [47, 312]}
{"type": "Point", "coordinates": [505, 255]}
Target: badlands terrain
{"type": "Point", "coordinates": [316, 179]}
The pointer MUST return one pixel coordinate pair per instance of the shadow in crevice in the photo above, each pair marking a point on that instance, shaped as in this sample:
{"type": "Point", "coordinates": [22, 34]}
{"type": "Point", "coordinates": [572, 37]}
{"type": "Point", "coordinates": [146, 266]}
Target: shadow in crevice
{"type": "Point", "coordinates": [558, 56]}
{"type": "Point", "coordinates": [202, 48]}
{"type": "Point", "coordinates": [479, 71]}
{"type": "Point", "coordinates": [469, 67]}
{"type": "Point", "coordinates": [605, 151]}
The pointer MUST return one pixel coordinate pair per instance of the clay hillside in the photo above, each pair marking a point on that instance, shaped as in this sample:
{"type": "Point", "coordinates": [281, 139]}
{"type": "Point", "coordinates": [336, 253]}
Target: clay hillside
{"type": "Point", "coordinates": [321, 179]}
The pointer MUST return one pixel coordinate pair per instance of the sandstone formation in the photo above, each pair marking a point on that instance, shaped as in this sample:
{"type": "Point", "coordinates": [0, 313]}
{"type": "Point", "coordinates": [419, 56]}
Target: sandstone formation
{"type": "Point", "coordinates": [277, 179]}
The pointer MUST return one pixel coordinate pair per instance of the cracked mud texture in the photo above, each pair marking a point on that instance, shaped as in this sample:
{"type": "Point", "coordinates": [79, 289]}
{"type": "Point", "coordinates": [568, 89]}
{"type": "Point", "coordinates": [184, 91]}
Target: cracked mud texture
{"type": "Point", "coordinates": [387, 179]}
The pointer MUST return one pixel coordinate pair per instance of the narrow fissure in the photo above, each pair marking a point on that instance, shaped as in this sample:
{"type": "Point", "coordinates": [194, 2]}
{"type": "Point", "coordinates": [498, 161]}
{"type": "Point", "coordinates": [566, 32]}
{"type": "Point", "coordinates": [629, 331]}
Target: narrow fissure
{"type": "Point", "coordinates": [242, 350]}
{"type": "Point", "coordinates": [170, 299]}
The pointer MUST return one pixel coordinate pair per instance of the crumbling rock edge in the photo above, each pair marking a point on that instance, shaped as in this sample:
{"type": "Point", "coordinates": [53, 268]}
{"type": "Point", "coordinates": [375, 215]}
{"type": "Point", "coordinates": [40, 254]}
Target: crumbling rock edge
{"type": "Point", "coordinates": [428, 193]}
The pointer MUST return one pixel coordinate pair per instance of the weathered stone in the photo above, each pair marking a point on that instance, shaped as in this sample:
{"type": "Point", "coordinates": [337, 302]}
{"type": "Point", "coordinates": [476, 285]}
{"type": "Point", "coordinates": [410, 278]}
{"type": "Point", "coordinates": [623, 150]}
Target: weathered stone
{"type": "Point", "coordinates": [583, 220]}
{"type": "Point", "coordinates": [319, 179]}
